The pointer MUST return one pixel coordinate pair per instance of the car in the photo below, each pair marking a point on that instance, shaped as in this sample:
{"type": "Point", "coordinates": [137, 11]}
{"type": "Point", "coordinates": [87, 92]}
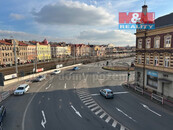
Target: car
{"type": "Point", "coordinates": [56, 72]}
{"type": "Point", "coordinates": [76, 68]}
{"type": "Point", "coordinates": [22, 89]}
{"type": "Point", "coordinates": [39, 78]}
{"type": "Point", "coordinates": [107, 93]}
{"type": "Point", "coordinates": [2, 114]}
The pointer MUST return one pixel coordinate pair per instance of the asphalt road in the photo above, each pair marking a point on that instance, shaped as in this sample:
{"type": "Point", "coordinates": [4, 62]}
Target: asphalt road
{"type": "Point", "coordinates": [71, 100]}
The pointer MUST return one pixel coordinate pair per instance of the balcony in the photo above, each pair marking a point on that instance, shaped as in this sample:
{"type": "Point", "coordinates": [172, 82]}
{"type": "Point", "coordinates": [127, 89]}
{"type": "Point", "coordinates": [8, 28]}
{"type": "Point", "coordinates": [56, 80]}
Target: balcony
{"type": "Point", "coordinates": [157, 68]}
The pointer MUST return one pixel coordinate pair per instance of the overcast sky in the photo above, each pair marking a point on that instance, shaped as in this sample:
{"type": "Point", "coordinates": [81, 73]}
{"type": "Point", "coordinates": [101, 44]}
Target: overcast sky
{"type": "Point", "coordinates": [75, 21]}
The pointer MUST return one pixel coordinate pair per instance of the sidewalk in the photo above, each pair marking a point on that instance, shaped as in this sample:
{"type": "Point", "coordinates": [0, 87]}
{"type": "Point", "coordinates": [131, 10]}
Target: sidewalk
{"type": "Point", "coordinates": [164, 101]}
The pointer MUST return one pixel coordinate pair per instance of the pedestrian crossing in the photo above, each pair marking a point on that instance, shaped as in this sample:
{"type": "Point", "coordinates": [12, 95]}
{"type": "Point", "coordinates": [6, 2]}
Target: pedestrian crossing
{"type": "Point", "coordinates": [87, 99]}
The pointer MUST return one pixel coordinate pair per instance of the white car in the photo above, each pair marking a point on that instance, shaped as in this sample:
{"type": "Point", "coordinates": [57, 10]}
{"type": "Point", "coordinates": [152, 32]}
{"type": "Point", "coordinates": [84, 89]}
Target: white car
{"type": "Point", "coordinates": [56, 72]}
{"type": "Point", "coordinates": [22, 89]}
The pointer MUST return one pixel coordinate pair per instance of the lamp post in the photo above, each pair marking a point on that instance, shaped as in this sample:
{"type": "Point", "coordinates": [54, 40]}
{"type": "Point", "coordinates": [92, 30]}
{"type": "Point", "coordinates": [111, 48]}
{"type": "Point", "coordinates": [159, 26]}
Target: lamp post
{"type": "Point", "coordinates": [15, 57]}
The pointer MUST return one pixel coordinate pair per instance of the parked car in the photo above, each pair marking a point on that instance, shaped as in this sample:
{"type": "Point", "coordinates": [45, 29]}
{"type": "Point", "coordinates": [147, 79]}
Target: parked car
{"type": "Point", "coordinates": [39, 78]}
{"type": "Point", "coordinates": [22, 89]}
{"type": "Point", "coordinates": [76, 68]}
{"type": "Point", "coordinates": [2, 114]}
{"type": "Point", "coordinates": [56, 72]}
{"type": "Point", "coordinates": [107, 93]}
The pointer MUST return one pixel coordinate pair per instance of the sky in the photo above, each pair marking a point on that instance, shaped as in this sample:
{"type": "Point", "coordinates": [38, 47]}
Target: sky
{"type": "Point", "coordinates": [73, 21]}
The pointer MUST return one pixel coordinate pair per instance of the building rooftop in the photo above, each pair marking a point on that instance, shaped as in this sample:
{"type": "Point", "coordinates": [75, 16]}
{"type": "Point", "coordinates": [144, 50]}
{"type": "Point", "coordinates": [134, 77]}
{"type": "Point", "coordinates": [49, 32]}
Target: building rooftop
{"type": "Point", "coordinates": [166, 20]}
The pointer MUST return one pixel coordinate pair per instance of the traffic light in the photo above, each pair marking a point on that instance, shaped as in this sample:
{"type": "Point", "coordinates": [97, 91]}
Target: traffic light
{"type": "Point", "coordinates": [1, 79]}
{"type": "Point", "coordinates": [128, 74]}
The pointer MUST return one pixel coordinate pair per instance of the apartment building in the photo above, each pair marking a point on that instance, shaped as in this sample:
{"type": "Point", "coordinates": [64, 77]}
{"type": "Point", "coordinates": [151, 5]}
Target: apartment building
{"type": "Point", "coordinates": [154, 57]}
{"type": "Point", "coordinates": [6, 53]}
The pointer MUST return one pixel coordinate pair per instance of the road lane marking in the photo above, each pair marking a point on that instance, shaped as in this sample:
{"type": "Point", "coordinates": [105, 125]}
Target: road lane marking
{"type": "Point", "coordinates": [48, 86]}
{"type": "Point", "coordinates": [93, 109]}
{"type": "Point", "coordinates": [125, 114]}
{"type": "Point", "coordinates": [98, 111]}
{"type": "Point", "coordinates": [108, 119]}
{"type": "Point", "coordinates": [26, 109]}
{"type": "Point", "coordinates": [77, 112]}
{"type": "Point", "coordinates": [145, 106]}
{"type": "Point", "coordinates": [92, 105]}
{"type": "Point", "coordinates": [88, 100]}
{"type": "Point", "coordinates": [84, 96]}
{"type": "Point", "coordinates": [122, 128]}
{"type": "Point", "coordinates": [89, 103]}
{"type": "Point", "coordinates": [102, 115]}
{"type": "Point", "coordinates": [114, 124]}
{"type": "Point", "coordinates": [115, 93]}
{"type": "Point", "coordinates": [65, 86]}
{"type": "Point", "coordinates": [43, 122]}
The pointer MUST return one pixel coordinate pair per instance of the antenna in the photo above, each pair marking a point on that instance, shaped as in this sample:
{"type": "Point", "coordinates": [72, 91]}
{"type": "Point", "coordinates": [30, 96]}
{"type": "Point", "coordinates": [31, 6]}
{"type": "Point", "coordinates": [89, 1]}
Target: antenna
{"type": "Point", "coordinates": [144, 2]}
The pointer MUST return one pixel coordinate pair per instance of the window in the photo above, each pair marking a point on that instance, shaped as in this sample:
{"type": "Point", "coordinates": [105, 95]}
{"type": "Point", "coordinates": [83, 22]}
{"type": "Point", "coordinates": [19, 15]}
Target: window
{"type": "Point", "coordinates": [148, 60]}
{"type": "Point", "coordinates": [139, 59]}
{"type": "Point", "coordinates": [148, 42]}
{"type": "Point", "coordinates": [140, 43]}
{"type": "Point", "coordinates": [157, 42]}
{"type": "Point", "coordinates": [167, 40]}
{"type": "Point", "coordinates": [156, 62]}
{"type": "Point", "coordinates": [166, 61]}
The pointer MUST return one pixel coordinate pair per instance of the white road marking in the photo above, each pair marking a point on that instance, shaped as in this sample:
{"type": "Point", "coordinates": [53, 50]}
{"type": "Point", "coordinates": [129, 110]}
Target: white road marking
{"type": "Point", "coordinates": [114, 124]}
{"type": "Point", "coordinates": [76, 111]}
{"type": "Point", "coordinates": [122, 127]}
{"type": "Point", "coordinates": [93, 109]}
{"type": "Point", "coordinates": [89, 103]}
{"type": "Point", "coordinates": [125, 114]}
{"type": "Point", "coordinates": [92, 105]}
{"type": "Point", "coordinates": [48, 86]}
{"type": "Point", "coordinates": [43, 122]}
{"type": "Point", "coordinates": [97, 112]}
{"type": "Point", "coordinates": [102, 115]}
{"type": "Point", "coordinates": [84, 96]}
{"type": "Point", "coordinates": [145, 106]}
{"type": "Point", "coordinates": [115, 93]}
{"type": "Point", "coordinates": [65, 86]}
{"type": "Point", "coordinates": [26, 109]}
{"type": "Point", "coordinates": [88, 100]}
{"type": "Point", "coordinates": [108, 119]}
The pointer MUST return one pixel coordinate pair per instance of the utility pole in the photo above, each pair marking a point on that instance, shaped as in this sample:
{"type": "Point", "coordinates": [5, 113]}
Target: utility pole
{"type": "Point", "coordinates": [15, 57]}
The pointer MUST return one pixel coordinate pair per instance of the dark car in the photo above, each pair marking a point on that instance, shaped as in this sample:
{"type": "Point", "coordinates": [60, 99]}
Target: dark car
{"type": "Point", "coordinates": [75, 68]}
{"type": "Point", "coordinates": [2, 114]}
{"type": "Point", "coordinates": [39, 78]}
{"type": "Point", "coordinates": [107, 93]}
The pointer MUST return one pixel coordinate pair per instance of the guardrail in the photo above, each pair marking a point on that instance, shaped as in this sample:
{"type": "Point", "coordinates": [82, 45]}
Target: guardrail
{"type": "Point", "coordinates": [151, 95]}
{"type": "Point", "coordinates": [157, 97]}
{"type": "Point", "coordinates": [139, 89]}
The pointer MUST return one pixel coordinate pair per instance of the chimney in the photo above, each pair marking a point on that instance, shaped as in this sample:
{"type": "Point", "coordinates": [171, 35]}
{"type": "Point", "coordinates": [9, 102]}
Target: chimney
{"type": "Point", "coordinates": [144, 9]}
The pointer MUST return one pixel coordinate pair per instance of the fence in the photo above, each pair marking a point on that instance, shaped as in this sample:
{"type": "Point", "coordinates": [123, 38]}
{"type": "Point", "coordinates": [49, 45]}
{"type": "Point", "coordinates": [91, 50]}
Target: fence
{"type": "Point", "coordinates": [151, 95]}
{"type": "Point", "coordinates": [157, 97]}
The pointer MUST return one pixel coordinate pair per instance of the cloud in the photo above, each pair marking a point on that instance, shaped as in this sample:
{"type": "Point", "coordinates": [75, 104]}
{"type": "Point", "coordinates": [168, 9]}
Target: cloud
{"type": "Point", "coordinates": [73, 13]}
{"type": "Point", "coordinates": [115, 36]}
{"type": "Point", "coordinates": [15, 16]}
